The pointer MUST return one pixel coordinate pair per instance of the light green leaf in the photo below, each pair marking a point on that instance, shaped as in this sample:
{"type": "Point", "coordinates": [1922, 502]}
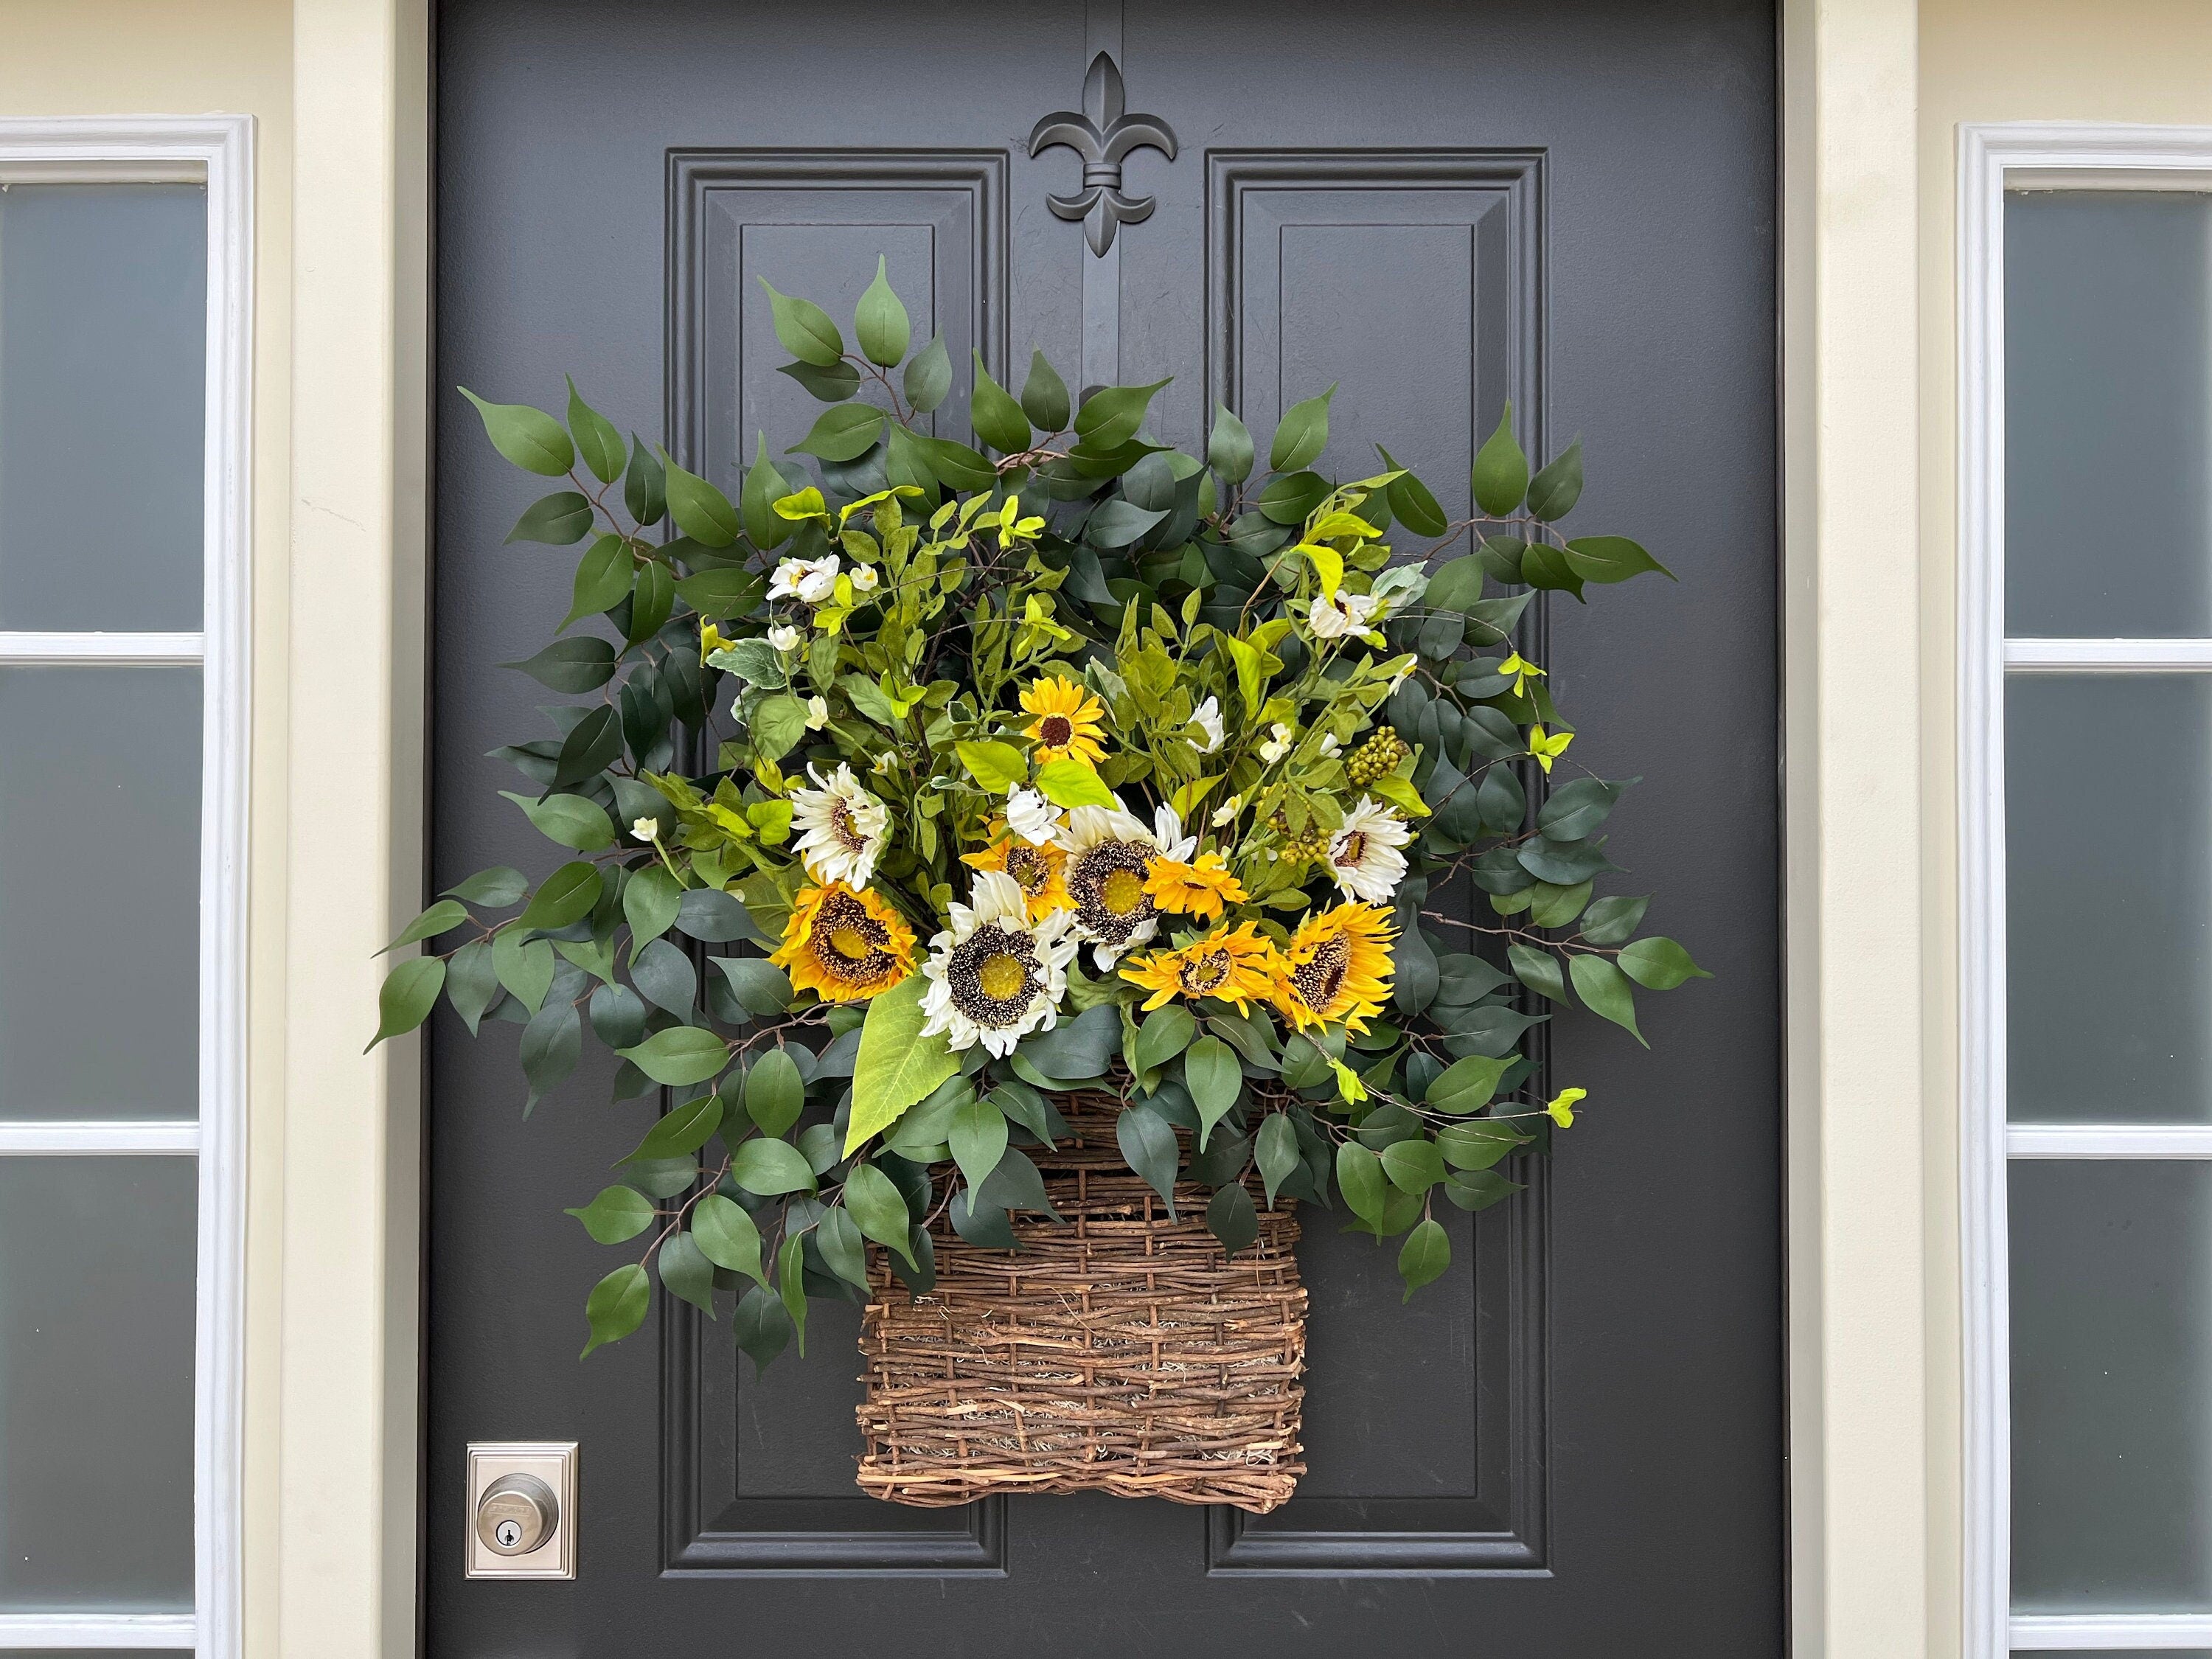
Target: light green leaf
{"type": "Point", "coordinates": [998, 767]}
{"type": "Point", "coordinates": [598, 440]}
{"type": "Point", "coordinates": [616, 1306]}
{"type": "Point", "coordinates": [1658, 963]}
{"type": "Point", "coordinates": [616, 1215]}
{"type": "Point", "coordinates": [410, 991]}
{"type": "Point", "coordinates": [881, 322]}
{"type": "Point", "coordinates": [650, 902]}
{"type": "Point", "coordinates": [440, 918]}
{"type": "Point", "coordinates": [1070, 782]}
{"type": "Point", "coordinates": [771, 1168]}
{"type": "Point", "coordinates": [1424, 1255]}
{"type": "Point", "coordinates": [778, 724]}
{"type": "Point", "coordinates": [571, 820]}
{"type": "Point", "coordinates": [896, 1064]}
{"type": "Point", "coordinates": [1466, 1086]}
{"type": "Point", "coordinates": [679, 1056]}
{"type": "Point", "coordinates": [1414, 1166]}
{"type": "Point", "coordinates": [700, 511]}
{"type": "Point", "coordinates": [726, 1235]}
{"type": "Point", "coordinates": [524, 965]}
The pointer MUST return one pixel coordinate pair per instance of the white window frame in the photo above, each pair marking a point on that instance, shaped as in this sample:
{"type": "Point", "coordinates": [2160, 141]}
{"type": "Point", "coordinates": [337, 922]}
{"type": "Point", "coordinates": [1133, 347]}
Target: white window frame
{"type": "Point", "coordinates": [216, 150]}
{"type": "Point", "coordinates": [1991, 159]}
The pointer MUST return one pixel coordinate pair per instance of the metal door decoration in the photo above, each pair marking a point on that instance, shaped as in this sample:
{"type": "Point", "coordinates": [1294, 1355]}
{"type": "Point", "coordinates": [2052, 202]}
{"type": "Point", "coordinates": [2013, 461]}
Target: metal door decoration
{"type": "Point", "coordinates": [1103, 133]}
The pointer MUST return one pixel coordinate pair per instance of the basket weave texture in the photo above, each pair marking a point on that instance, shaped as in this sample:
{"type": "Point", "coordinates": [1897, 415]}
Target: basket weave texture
{"type": "Point", "coordinates": [1115, 1350]}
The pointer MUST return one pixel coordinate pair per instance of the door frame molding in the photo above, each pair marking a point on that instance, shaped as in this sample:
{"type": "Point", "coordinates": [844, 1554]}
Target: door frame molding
{"type": "Point", "coordinates": [1861, 1456]}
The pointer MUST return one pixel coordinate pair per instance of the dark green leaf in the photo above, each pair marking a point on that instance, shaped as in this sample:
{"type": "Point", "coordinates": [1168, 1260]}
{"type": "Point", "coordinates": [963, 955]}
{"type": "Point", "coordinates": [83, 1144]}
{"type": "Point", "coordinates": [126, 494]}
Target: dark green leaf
{"type": "Point", "coordinates": [1478, 1142]}
{"type": "Point", "coordinates": [700, 511]}
{"type": "Point", "coordinates": [1110, 416]}
{"type": "Point", "coordinates": [1230, 1218]}
{"type": "Point", "coordinates": [529, 437]}
{"type": "Point", "coordinates": [1303, 435]}
{"type": "Point", "coordinates": [496, 889]}
{"type": "Point", "coordinates": [726, 1235]}
{"type": "Point", "coordinates": [551, 1045]}
{"type": "Point", "coordinates": [998, 419]}
{"type": "Point", "coordinates": [765, 528]}
{"type": "Point", "coordinates": [687, 1273]}
{"type": "Point", "coordinates": [839, 1241]}
{"type": "Point", "coordinates": [929, 377]}
{"type": "Point", "coordinates": [1215, 1079]}
{"type": "Point", "coordinates": [571, 820]}
{"type": "Point", "coordinates": [599, 440]}
{"type": "Point", "coordinates": [558, 520]}
{"type": "Point", "coordinates": [683, 1130]}
{"type": "Point", "coordinates": [1658, 963]}
{"type": "Point", "coordinates": [652, 601]}
{"type": "Point", "coordinates": [806, 332]}
{"type": "Point", "coordinates": [832, 385]}
{"type": "Point", "coordinates": [1164, 1034]}
{"type": "Point", "coordinates": [524, 965]}
{"type": "Point", "coordinates": [618, 1016]}
{"type": "Point", "coordinates": [1553, 491]}
{"type": "Point", "coordinates": [1544, 566]}
{"type": "Point", "coordinates": [650, 901]}
{"type": "Point", "coordinates": [409, 992]}
{"type": "Point", "coordinates": [977, 1136]}
{"type": "Point", "coordinates": [760, 1327]}
{"type": "Point", "coordinates": [775, 1092]}
{"type": "Point", "coordinates": [644, 486]}
{"type": "Point", "coordinates": [1538, 969]}
{"type": "Point", "coordinates": [1229, 449]}
{"type": "Point", "coordinates": [874, 1203]}
{"type": "Point", "coordinates": [1424, 1255]}
{"type": "Point", "coordinates": [1117, 523]}
{"type": "Point", "coordinates": [1359, 1177]}
{"type": "Point", "coordinates": [593, 743]}
{"type": "Point", "coordinates": [566, 896]}
{"type": "Point", "coordinates": [1501, 470]}
{"type": "Point", "coordinates": [881, 322]}
{"type": "Point", "coordinates": [761, 988]}
{"type": "Point", "coordinates": [1291, 499]}
{"type": "Point", "coordinates": [957, 467]}
{"type": "Point", "coordinates": [791, 1285]}
{"type": "Point", "coordinates": [843, 432]}
{"type": "Point", "coordinates": [1478, 1189]}
{"type": "Point", "coordinates": [1044, 396]}
{"type": "Point", "coordinates": [1574, 810]}
{"type": "Point", "coordinates": [1414, 506]}
{"type": "Point", "coordinates": [471, 983]}
{"type": "Point", "coordinates": [1276, 1151]}
{"type": "Point", "coordinates": [1610, 559]}
{"type": "Point", "coordinates": [584, 664]}
{"type": "Point", "coordinates": [616, 1306]}
{"type": "Point", "coordinates": [1149, 1147]}
{"type": "Point", "coordinates": [1414, 1166]}
{"type": "Point", "coordinates": [1610, 920]}
{"type": "Point", "coordinates": [603, 581]}
{"type": "Point", "coordinates": [713, 916]}
{"type": "Point", "coordinates": [440, 918]}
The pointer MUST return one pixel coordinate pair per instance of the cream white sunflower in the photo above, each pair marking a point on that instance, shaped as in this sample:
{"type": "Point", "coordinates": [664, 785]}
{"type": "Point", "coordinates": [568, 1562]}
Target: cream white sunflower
{"type": "Point", "coordinates": [842, 828]}
{"type": "Point", "coordinates": [1363, 858]}
{"type": "Point", "coordinates": [1111, 854]}
{"type": "Point", "coordinates": [994, 976]}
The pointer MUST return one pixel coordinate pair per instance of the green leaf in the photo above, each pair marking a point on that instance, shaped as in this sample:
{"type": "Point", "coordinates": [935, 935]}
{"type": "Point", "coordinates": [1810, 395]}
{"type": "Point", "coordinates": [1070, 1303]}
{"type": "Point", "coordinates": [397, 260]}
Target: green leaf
{"type": "Point", "coordinates": [1545, 565]}
{"type": "Point", "coordinates": [566, 896]}
{"type": "Point", "coordinates": [1303, 436]}
{"type": "Point", "coordinates": [998, 419]}
{"type": "Point", "coordinates": [1414, 1166]}
{"type": "Point", "coordinates": [1574, 810]}
{"type": "Point", "coordinates": [1478, 1189]}
{"type": "Point", "coordinates": [896, 1064]}
{"type": "Point", "coordinates": [775, 1092]}
{"type": "Point", "coordinates": [1604, 990]}
{"type": "Point", "coordinates": [839, 1241]}
{"type": "Point", "coordinates": [410, 991]}
{"type": "Point", "coordinates": [1229, 448]}
{"type": "Point", "coordinates": [1215, 1078]}
{"type": "Point", "coordinates": [1423, 1257]}
{"type": "Point", "coordinates": [471, 983]}
{"type": "Point", "coordinates": [761, 988]}
{"type": "Point", "coordinates": [730, 590]}
{"type": "Point", "coordinates": [1110, 416]}
{"type": "Point", "coordinates": [570, 820]}
{"type": "Point", "coordinates": [957, 467]}
{"type": "Point", "coordinates": [778, 724]}
{"type": "Point", "coordinates": [686, 1272]}
{"type": "Point", "coordinates": [599, 440]}
{"type": "Point", "coordinates": [929, 377]}
{"type": "Point", "coordinates": [1501, 470]}
{"type": "Point", "coordinates": [1553, 491]}
{"type": "Point", "coordinates": [1610, 559]}
{"type": "Point", "coordinates": [679, 1056]}
{"type": "Point", "coordinates": [1537, 970]}
{"type": "Point", "coordinates": [1291, 498]}
{"type": "Point", "coordinates": [881, 322]}
{"type": "Point", "coordinates": [604, 576]}
{"type": "Point", "coordinates": [791, 1285]}
{"type": "Point", "coordinates": [1165, 1033]}
{"type": "Point", "coordinates": [524, 968]}
{"type": "Point", "coordinates": [844, 431]}
{"type": "Point", "coordinates": [497, 888]}
{"type": "Point", "coordinates": [1044, 396]}
{"type": "Point", "coordinates": [806, 332]}
{"type": "Point", "coordinates": [1119, 522]}
{"type": "Point", "coordinates": [700, 511]}
{"type": "Point", "coordinates": [1070, 782]}
{"type": "Point", "coordinates": [683, 1130]}
{"type": "Point", "coordinates": [616, 1306]}
{"type": "Point", "coordinates": [1478, 1142]}
{"type": "Point", "coordinates": [650, 901]}
{"type": "Point", "coordinates": [1230, 1218]}
{"type": "Point", "coordinates": [616, 1215]}
{"type": "Point", "coordinates": [529, 437]}
{"type": "Point", "coordinates": [573, 666]}
{"type": "Point", "coordinates": [1658, 963]}
{"type": "Point", "coordinates": [1555, 906]}
{"type": "Point", "coordinates": [1415, 508]}
{"type": "Point", "coordinates": [765, 528]}
{"type": "Point", "coordinates": [998, 767]}
{"type": "Point", "coordinates": [593, 743]}
{"type": "Point", "coordinates": [978, 1137]}
{"type": "Point", "coordinates": [874, 1204]}
{"type": "Point", "coordinates": [1148, 1146]}
{"type": "Point", "coordinates": [832, 385]}
{"type": "Point", "coordinates": [551, 1044]}
{"type": "Point", "coordinates": [1610, 920]}
{"type": "Point", "coordinates": [652, 602]}
{"type": "Point", "coordinates": [1359, 1177]}
{"type": "Point", "coordinates": [1276, 1151]}
{"type": "Point", "coordinates": [440, 918]}
{"type": "Point", "coordinates": [1466, 1086]}
{"type": "Point", "coordinates": [644, 486]}
{"type": "Point", "coordinates": [558, 520]}
{"type": "Point", "coordinates": [727, 1235]}
{"type": "Point", "coordinates": [771, 1168]}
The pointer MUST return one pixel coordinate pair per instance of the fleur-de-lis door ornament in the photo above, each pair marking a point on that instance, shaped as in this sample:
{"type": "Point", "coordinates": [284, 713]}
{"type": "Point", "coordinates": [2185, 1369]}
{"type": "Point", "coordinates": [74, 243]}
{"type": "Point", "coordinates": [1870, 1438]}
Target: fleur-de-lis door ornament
{"type": "Point", "coordinates": [1101, 135]}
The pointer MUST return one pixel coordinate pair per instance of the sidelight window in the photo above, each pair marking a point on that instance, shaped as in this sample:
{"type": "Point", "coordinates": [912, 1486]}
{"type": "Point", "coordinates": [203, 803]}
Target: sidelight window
{"type": "Point", "coordinates": [2086, 886]}
{"type": "Point", "coordinates": [123, 272]}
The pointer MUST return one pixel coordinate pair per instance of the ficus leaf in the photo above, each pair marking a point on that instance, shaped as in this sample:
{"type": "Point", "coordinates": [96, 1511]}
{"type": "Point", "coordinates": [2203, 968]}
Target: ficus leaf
{"type": "Point", "coordinates": [1303, 435]}
{"type": "Point", "coordinates": [1658, 963]}
{"type": "Point", "coordinates": [1501, 470]}
{"type": "Point", "coordinates": [616, 1215]}
{"type": "Point", "coordinates": [1423, 1257]}
{"type": "Point", "coordinates": [881, 322]}
{"type": "Point", "coordinates": [599, 440]}
{"type": "Point", "coordinates": [529, 437]}
{"type": "Point", "coordinates": [700, 511]}
{"type": "Point", "coordinates": [929, 377]}
{"type": "Point", "coordinates": [1044, 396]}
{"type": "Point", "coordinates": [1229, 449]}
{"type": "Point", "coordinates": [998, 419]}
{"type": "Point", "coordinates": [560, 519]}
{"type": "Point", "coordinates": [680, 1056]}
{"type": "Point", "coordinates": [805, 328]}
{"type": "Point", "coordinates": [875, 1206]}
{"type": "Point", "coordinates": [616, 1306]}
{"type": "Point", "coordinates": [409, 992]}
{"type": "Point", "coordinates": [1553, 492]}
{"type": "Point", "coordinates": [1230, 1218]}
{"type": "Point", "coordinates": [728, 1236]}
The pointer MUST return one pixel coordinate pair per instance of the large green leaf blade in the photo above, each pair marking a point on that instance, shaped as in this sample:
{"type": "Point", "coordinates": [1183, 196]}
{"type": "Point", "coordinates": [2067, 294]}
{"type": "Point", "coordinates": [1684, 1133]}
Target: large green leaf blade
{"type": "Point", "coordinates": [896, 1065]}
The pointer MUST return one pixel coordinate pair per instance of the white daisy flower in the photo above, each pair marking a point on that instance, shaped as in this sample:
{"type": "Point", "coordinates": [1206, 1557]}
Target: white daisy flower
{"type": "Point", "coordinates": [842, 828]}
{"type": "Point", "coordinates": [1206, 717]}
{"type": "Point", "coordinates": [784, 637]}
{"type": "Point", "coordinates": [809, 580]}
{"type": "Point", "coordinates": [1031, 817]}
{"type": "Point", "coordinates": [994, 976]}
{"type": "Point", "coordinates": [1332, 617]}
{"type": "Point", "coordinates": [1109, 854]}
{"type": "Point", "coordinates": [818, 713]}
{"type": "Point", "coordinates": [646, 829]}
{"type": "Point", "coordinates": [1277, 743]}
{"type": "Point", "coordinates": [864, 578]}
{"type": "Point", "coordinates": [1364, 859]}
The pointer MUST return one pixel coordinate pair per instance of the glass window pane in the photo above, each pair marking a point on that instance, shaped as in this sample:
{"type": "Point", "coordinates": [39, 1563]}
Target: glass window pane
{"type": "Point", "coordinates": [2108, 413]}
{"type": "Point", "coordinates": [96, 1315]}
{"type": "Point", "coordinates": [100, 804]}
{"type": "Point", "coordinates": [103, 349]}
{"type": "Point", "coordinates": [2108, 840]}
{"type": "Point", "coordinates": [2111, 1386]}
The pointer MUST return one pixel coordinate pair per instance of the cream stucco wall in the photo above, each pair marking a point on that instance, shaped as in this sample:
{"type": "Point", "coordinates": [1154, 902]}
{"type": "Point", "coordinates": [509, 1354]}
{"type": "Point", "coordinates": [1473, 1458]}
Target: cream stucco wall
{"type": "Point", "coordinates": [150, 57]}
{"type": "Point", "coordinates": [1981, 61]}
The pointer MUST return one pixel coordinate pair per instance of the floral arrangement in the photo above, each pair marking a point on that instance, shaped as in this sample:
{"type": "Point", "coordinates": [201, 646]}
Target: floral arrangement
{"type": "Point", "coordinates": [1062, 760]}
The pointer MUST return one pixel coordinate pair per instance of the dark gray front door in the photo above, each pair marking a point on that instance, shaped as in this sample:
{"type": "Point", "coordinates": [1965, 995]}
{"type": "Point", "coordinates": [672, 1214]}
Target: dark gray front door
{"type": "Point", "coordinates": [1572, 1446]}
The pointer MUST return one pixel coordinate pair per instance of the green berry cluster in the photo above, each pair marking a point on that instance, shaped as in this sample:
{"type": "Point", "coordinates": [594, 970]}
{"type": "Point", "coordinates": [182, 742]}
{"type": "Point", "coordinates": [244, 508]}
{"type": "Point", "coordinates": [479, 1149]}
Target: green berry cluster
{"type": "Point", "coordinates": [1378, 757]}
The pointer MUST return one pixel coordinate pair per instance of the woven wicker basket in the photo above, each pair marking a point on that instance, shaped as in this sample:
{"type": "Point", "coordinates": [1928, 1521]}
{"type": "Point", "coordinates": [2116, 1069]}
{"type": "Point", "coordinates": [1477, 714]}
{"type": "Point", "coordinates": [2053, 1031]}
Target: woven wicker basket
{"type": "Point", "coordinates": [1117, 1351]}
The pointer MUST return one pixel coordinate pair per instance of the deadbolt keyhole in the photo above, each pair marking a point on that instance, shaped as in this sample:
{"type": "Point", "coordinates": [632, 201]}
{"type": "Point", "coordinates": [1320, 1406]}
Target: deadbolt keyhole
{"type": "Point", "coordinates": [517, 1513]}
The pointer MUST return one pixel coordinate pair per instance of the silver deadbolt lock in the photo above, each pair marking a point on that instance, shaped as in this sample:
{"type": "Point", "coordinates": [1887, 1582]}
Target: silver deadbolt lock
{"type": "Point", "coordinates": [516, 1514]}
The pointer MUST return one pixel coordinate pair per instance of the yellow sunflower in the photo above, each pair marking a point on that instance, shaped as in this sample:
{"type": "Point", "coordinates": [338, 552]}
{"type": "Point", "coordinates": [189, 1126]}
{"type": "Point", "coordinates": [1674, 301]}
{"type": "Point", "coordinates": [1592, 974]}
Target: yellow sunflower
{"type": "Point", "coordinates": [845, 946]}
{"type": "Point", "coordinates": [1069, 720]}
{"type": "Point", "coordinates": [1040, 872]}
{"type": "Point", "coordinates": [1237, 964]}
{"type": "Point", "coordinates": [1198, 889]}
{"type": "Point", "coordinates": [1336, 968]}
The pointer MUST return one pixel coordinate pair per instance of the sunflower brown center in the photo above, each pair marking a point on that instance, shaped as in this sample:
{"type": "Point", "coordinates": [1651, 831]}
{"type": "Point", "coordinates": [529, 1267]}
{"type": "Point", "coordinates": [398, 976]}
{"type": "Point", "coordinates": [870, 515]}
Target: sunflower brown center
{"type": "Point", "coordinates": [1026, 865]}
{"type": "Point", "coordinates": [1108, 885]}
{"type": "Point", "coordinates": [1321, 976]}
{"type": "Point", "coordinates": [993, 975]}
{"type": "Point", "coordinates": [853, 943]}
{"type": "Point", "coordinates": [847, 831]}
{"type": "Point", "coordinates": [1122, 892]}
{"type": "Point", "coordinates": [1199, 975]}
{"type": "Point", "coordinates": [1001, 977]}
{"type": "Point", "coordinates": [1055, 730]}
{"type": "Point", "coordinates": [1353, 850]}
{"type": "Point", "coordinates": [848, 942]}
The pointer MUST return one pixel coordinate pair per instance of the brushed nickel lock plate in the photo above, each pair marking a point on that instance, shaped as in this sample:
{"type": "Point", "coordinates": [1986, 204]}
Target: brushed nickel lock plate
{"type": "Point", "coordinates": [522, 1508]}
